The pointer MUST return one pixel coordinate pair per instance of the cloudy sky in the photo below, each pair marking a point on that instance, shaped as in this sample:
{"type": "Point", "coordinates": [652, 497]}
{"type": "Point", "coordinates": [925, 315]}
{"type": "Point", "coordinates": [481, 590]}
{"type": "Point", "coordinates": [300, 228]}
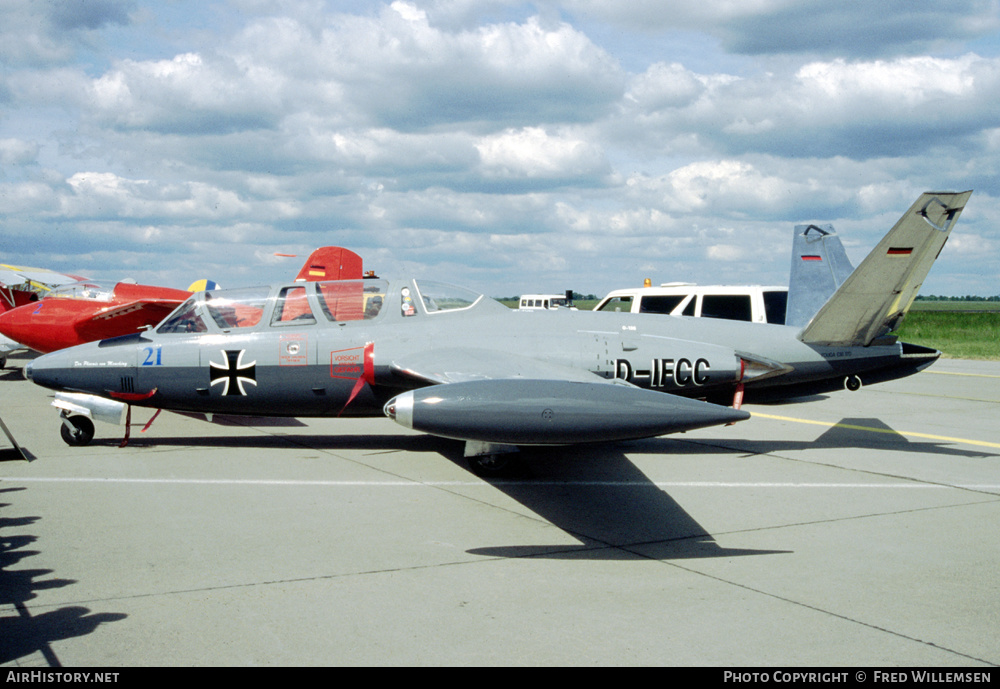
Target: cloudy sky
{"type": "Point", "coordinates": [504, 145]}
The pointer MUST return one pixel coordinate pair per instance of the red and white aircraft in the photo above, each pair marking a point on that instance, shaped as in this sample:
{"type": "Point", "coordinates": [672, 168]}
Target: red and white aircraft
{"type": "Point", "coordinates": [19, 286]}
{"type": "Point", "coordinates": [86, 311]}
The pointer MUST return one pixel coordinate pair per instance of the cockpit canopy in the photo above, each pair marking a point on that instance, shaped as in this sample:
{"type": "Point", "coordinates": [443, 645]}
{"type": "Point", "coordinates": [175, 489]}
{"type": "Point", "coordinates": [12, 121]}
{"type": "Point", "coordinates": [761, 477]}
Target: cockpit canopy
{"type": "Point", "coordinates": [308, 303]}
{"type": "Point", "coordinates": [89, 290]}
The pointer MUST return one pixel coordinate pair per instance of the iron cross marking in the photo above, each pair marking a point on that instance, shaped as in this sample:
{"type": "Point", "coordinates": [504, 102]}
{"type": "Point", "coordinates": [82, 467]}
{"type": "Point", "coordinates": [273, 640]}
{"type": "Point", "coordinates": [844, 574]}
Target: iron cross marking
{"type": "Point", "coordinates": [233, 373]}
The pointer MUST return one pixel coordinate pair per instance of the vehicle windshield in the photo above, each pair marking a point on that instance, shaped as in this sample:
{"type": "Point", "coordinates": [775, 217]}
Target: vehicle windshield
{"type": "Point", "coordinates": [88, 290]}
{"type": "Point", "coordinates": [617, 304]}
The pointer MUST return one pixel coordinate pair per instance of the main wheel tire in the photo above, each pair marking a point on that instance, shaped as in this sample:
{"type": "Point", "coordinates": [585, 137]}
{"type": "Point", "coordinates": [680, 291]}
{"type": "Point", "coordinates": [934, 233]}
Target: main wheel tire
{"type": "Point", "coordinates": [496, 466]}
{"type": "Point", "coordinates": [82, 431]}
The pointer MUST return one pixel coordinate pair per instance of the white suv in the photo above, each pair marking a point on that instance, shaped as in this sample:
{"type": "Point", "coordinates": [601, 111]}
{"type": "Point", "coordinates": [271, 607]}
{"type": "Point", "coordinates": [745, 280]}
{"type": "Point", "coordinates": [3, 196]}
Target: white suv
{"type": "Point", "coordinates": [754, 303]}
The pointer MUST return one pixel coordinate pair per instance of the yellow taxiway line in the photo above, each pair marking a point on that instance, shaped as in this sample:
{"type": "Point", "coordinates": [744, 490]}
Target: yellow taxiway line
{"type": "Point", "coordinates": [927, 436]}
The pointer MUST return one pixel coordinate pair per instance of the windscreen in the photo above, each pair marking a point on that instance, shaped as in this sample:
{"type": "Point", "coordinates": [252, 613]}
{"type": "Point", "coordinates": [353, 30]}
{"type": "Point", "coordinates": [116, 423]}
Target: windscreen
{"type": "Point", "coordinates": [439, 296]}
{"type": "Point", "coordinates": [88, 290]}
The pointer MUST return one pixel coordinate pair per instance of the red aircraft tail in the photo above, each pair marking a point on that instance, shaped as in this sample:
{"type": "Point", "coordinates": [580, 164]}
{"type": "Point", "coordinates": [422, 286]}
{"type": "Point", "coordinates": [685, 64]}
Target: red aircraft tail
{"type": "Point", "coordinates": [331, 263]}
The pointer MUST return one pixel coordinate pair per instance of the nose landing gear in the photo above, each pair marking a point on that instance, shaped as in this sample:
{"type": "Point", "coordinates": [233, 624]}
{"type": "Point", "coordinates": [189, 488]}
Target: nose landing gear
{"type": "Point", "coordinates": [76, 430]}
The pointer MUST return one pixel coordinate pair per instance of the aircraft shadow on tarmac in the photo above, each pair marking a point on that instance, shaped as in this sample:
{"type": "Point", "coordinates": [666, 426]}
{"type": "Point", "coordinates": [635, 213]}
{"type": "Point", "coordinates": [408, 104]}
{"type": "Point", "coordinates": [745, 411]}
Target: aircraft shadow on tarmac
{"type": "Point", "coordinates": [613, 508]}
{"type": "Point", "coordinates": [598, 496]}
{"type": "Point", "coordinates": [13, 374]}
{"type": "Point", "coordinates": [23, 634]}
{"type": "Point", "coordinates": [848, 433]}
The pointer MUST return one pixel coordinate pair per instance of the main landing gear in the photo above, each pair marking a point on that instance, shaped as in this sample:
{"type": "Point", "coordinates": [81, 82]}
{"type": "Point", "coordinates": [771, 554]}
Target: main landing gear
{"type": "Point", "coordinates": [493, 460]}
{"type": "Point", "coordinates": [502, 465]}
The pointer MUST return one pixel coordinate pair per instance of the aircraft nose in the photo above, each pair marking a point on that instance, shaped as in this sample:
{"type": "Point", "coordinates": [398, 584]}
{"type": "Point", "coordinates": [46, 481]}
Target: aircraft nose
{"type": "Point", "coordinates": [47, 370]}
{"type": "Point", "coordinates": [87, 368]}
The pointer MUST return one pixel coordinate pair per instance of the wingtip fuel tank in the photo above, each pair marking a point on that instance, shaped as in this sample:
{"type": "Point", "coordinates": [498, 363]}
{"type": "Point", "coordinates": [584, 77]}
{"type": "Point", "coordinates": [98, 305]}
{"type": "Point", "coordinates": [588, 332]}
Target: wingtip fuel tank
{"type": "Point", "coordinates": [551, 412]}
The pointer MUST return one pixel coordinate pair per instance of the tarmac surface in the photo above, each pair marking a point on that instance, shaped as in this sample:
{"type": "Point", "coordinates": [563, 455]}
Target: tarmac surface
{"type": "Point", "coordinates": [852, 529]}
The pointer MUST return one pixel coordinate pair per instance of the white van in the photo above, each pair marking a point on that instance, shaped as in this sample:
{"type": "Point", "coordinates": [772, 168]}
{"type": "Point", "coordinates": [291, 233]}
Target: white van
{"type": "Point", "coordinates": [754, 303]}
{"type": "Point", "coordinates": [544, 301]}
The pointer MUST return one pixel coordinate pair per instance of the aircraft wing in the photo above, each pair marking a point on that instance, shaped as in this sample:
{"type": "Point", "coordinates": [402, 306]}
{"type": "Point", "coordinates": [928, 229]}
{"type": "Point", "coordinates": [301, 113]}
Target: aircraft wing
{"type": "Point", "coordinates": [37, 278]}
{"type": "Point", "coordinates": [456, 365]}
{"type": "Point", "coordinates": [123, 318]}
{"type": "Point", "coordinates": [872, 302]}
{"type": "Point", "coordinates": [8, 345]}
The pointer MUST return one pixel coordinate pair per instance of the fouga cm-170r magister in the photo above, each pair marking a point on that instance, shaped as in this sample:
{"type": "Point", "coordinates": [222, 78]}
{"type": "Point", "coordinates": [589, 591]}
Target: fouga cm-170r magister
{"type": "Point", "coordinates": [453, 363]}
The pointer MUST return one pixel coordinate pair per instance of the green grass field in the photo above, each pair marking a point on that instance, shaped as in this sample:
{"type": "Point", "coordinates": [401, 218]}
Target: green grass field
{"type": "Point", "coordinates": [956, 306]}
{"type": "Point", "coordinates": [958, 334]}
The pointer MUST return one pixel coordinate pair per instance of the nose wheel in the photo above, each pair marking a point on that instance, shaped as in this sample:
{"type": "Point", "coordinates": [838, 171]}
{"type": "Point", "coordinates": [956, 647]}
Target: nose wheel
{"type": "Point", "coordinates": [76, 430]}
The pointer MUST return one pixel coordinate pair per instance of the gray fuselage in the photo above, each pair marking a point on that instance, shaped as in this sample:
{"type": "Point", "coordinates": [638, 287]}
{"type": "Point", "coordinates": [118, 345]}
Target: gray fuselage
{"type": "Point", "coordinates": [319, 363]}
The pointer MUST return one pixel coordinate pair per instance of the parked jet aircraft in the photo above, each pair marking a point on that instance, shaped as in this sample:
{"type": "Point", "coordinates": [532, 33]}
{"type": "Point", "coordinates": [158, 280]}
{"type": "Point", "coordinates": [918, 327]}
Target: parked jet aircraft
{"type": "Point", "coordinates": [453, 363]}
{"type": "Point", "coordinates": [87, 311]}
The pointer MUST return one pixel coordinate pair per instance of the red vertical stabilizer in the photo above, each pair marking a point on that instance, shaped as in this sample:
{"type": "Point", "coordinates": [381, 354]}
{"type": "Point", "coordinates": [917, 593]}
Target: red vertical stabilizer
{"type": "Point", "coordinates": [331, 263]}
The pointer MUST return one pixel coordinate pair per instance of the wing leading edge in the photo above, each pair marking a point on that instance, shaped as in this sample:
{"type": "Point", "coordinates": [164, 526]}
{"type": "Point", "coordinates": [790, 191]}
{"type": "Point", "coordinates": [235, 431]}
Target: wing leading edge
{"type": "Point", "coordinates": [126, 318]}
{"type": "Point", "coordinates": [460, 365]}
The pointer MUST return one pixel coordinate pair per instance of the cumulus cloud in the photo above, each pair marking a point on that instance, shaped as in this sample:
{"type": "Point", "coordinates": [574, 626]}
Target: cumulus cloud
{"type": "Point", "coordinates": [532, 153]}
{"type": "Point", "coordinates": [43, 32]}
{"type": "Point", "coordinates": [862, 109]}
{"type": "Point", "coordinates": [17, 152]}
{"type": "Point", "coordinates": [107, 195]}
{"type": "Point", "coordinates": [759, 27]}
{"type": "Point", "coordinates": [736, 189]}
{"type": "Point", "coordinates": [665, 86]}
{"type": "Point", "coordinates": [397, 70]}
{"type": "Point", "coordinates": [726, 252]}
{"type": "Point", "coordinates": [186, 94]}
